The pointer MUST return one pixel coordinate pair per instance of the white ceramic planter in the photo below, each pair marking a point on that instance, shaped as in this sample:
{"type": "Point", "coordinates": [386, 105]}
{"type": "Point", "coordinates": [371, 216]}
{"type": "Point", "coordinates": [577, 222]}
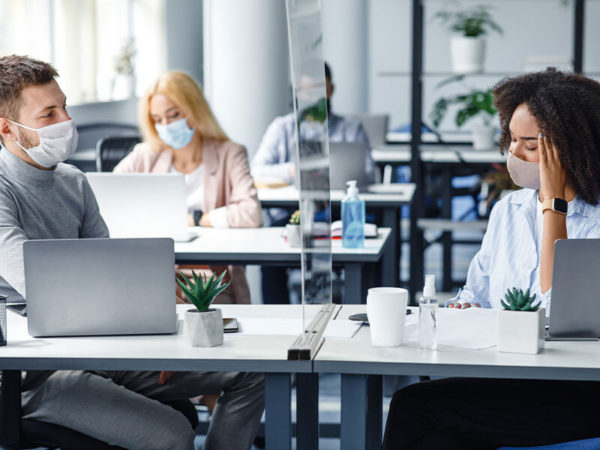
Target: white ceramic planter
{"type": "Point", "coordinates": [294, 235]}
{"type": "Point", "coordinates": [123, 87]}
{"type": "Point", "coordinates": [205, 329]}
{"type": "Point", "coordinates": [483, 137]}
{"type": "Point", "coordinates": [467, 53]}
{"type": "Point", "coordinates": [521, 331]}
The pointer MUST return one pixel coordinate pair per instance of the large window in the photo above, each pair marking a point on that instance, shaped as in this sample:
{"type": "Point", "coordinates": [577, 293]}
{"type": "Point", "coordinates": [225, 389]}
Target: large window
{"type": "Point", "coordinates": [102, 49]}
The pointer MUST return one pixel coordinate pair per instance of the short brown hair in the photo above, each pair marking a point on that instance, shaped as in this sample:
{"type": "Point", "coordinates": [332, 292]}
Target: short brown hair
{"type": "Point", "coordinates": [16, 74]}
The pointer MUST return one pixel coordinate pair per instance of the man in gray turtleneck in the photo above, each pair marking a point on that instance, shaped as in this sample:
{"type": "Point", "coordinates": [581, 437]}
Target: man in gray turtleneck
{"type": "Point", "coordinates": [41, 198]}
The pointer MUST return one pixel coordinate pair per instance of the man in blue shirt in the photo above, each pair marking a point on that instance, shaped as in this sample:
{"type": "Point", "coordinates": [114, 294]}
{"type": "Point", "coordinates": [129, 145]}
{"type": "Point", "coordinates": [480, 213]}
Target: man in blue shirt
{"type": "Point", "coordinates": [275, 158]}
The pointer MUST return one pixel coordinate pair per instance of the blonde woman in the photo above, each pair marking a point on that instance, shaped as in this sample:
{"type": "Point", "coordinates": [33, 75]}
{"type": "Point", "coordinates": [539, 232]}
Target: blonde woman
{"type": "Point", "coordinates": [181, 135]}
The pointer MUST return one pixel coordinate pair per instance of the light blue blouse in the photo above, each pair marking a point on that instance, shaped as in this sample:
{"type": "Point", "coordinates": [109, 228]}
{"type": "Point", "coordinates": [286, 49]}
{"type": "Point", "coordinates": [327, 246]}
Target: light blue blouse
{"type": "Point", "coordinates": [509, 255]}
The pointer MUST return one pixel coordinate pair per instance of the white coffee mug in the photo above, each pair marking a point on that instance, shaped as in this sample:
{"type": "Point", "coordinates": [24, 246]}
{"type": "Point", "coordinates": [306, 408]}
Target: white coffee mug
{"type": "Point", "coordinates": [386, 309]}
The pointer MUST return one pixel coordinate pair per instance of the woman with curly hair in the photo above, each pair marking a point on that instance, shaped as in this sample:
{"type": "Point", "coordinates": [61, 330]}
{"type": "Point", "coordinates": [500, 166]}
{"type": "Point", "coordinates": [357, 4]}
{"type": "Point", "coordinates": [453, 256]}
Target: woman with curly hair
{"type": "Point", "coordinates": [551, 127]}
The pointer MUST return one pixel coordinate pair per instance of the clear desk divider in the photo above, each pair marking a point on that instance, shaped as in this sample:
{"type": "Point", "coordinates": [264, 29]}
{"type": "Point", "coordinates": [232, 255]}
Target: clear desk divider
{"type": "Point", "coordinates": [312, 158]}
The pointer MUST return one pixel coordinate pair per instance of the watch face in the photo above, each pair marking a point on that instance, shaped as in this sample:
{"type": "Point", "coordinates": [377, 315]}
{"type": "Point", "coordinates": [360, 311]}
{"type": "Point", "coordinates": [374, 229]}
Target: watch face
{"type": "Point", "coordinates": [560, 205]}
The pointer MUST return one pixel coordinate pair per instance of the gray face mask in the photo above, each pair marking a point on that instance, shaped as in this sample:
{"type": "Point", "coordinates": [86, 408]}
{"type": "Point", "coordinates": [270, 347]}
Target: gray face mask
{"type": "Point", "coordinates": [524, 173]}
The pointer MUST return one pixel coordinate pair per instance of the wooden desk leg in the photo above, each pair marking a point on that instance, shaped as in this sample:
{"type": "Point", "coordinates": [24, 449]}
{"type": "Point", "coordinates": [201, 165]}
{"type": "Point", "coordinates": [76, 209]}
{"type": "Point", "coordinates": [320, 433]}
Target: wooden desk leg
{"type": "Point", "coordinates": [278, 411]}
{"type": "Point", "coordinates": [353, 284]}
{"type": "Point", "coordinates": [361, 412]}
{"type": "Point", "coordinates": [307, 411]}
{"type": "Point", "coordinates": [391, 256]}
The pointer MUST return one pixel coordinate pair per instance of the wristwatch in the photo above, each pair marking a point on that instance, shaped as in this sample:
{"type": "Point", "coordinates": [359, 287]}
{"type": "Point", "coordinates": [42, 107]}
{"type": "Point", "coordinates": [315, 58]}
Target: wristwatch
{"type": "Point", "coordinates": [555, 204]}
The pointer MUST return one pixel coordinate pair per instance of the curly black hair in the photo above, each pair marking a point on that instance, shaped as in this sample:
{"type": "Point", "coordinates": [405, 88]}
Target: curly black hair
{"type": "Point", "coordinates": [566, 107]}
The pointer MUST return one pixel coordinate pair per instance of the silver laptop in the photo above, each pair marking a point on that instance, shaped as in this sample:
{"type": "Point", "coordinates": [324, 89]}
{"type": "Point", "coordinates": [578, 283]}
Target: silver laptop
{"type": "Point", "coordinates": [142, 204]}
{"type": "Point", "coordinates": [575, 304]}
{"type": "Point", "coordinates": [79, 287]}
{"type": "Point", "coordinates": [347, 161]}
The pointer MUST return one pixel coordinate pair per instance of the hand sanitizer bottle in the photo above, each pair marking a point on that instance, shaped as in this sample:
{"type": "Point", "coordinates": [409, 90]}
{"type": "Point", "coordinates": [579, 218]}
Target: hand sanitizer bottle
{"type": "Point", "coordinates": [428, 309]}
{"type": "Point", "coordinates": [353, 218]}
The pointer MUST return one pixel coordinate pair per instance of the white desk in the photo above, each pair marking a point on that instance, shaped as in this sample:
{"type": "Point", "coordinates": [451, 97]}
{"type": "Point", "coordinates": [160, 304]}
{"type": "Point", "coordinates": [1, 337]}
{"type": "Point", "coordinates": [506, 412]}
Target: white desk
{"type": "Point", "coordinates": [385, 200]}
{"type": "Point", "coordinates": [173, 352]}
{"type": "Point", "coordinates": [440, 154]}
{"type": "Point", "coordinates": [361, 366]}
{"type": "Point", "coordinates": [265, 246]}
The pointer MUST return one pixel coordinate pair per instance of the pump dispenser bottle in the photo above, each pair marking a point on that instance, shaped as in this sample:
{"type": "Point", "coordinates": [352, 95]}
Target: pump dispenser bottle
{"type": "Point", "coordinates": [353, 218]}
{"type": "Point", "coordinates": [428, 311]}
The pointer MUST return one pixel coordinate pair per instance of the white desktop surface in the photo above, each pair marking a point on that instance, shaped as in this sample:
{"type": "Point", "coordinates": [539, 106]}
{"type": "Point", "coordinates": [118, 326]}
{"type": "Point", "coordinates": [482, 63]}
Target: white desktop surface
{"type": "Point", "coordinates": [376, 193]}
{"type": "Point", "coordinates": [246, 245]}
{"type": "Point", "coordinates": [558, 360]}
{"type": "Point", "coordinates": [437, 154]}
{"type": "Point", "coordinates": [156, 352]}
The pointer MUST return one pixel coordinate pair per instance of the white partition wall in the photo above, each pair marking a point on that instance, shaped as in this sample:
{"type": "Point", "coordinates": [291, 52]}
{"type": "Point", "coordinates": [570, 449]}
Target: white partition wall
{"type": "Point", "coordinates": [246, 65]}
{"type": "Point", "coordinates": [345, 44]}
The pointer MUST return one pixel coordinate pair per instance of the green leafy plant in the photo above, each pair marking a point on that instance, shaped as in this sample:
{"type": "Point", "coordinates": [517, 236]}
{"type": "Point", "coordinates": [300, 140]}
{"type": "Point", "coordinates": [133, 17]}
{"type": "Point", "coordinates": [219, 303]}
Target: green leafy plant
{"type": "Point", "coordinates": [295, 219]}
{"type": "Point", "coordinates": [473, 22]}
{"type": "Point", "coordinates": [516, 300]}
{"type": "Point", "coordinates": [476, 103]}
{"type": "Point", "coordinates": [200, 290]}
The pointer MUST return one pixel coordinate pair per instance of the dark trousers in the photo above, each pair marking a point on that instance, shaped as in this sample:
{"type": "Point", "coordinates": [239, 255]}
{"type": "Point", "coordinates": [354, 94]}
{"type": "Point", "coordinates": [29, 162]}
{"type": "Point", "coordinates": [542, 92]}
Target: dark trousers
{"type": "Point", "coordinates": [464, 413]}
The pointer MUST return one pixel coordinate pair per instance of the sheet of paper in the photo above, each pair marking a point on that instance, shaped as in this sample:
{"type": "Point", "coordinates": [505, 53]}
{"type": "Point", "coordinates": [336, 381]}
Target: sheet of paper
{"type": "Point", "coordinates": [474, 328]}
{"type": "Point", "coordinates": [291, 327]}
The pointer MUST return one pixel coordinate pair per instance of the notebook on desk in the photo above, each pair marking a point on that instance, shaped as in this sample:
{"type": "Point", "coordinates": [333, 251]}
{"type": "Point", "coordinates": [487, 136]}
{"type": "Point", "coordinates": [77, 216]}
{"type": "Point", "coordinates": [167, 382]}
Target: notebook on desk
{"type": "Point", "coordinates": [142, 204]}
{"type": "Point", "coordinates": [90, 287]}
{"type": "Point", "coordinates": [575, 308]}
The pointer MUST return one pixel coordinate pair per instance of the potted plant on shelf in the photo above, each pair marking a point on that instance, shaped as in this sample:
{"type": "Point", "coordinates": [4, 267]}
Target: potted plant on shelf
{"type": "Point", "coordinates": [204, 325]}
{"type": "Point", "coordinates": [521, 324]}
{"type": "Point", "coordinates": [124, 84]}
{"type": "Point", "coordinates": [476, 104]}
{"type": "Point", "coordinates": [467, 46]}
{"type": "Point", "coordinates": [293, 231]}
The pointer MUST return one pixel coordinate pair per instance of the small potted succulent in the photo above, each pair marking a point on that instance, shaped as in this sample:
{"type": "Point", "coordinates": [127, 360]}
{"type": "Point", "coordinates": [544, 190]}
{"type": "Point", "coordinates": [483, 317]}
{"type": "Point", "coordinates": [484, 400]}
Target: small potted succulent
{"type": "Point", "coordinates": [467, 46]}
{"type": "Point", "coordinates": [204, 325]}
{"type": "Point", "coordinates": [293, 231]}
{"type": "Point", "coordinates": [521, 324]}
{"type": "Point", "coordinates": [477, 104]}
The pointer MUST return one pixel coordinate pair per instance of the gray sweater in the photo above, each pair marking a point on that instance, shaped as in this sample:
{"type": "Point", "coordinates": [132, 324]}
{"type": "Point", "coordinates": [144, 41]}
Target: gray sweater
{"type": "Point", "coordinates": [40, 204]}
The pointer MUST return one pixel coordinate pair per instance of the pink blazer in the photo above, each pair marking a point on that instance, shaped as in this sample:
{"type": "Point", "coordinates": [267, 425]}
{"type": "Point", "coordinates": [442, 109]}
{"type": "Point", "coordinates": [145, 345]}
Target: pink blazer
{"type": "Point", "coordinates": [226, 182]}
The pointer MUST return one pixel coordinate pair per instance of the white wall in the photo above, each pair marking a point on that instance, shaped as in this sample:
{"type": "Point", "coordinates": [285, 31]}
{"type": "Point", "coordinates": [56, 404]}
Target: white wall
{"type": "Point", "coordinates": [531, 27]}
{"type": "Point", "coordinates": [246, 65]}
{"type": "Point", "coordinates": [345, 48]}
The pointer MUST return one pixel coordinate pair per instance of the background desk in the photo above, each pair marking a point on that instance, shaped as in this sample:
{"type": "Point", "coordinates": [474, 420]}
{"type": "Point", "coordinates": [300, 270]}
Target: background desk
{"type": "Point", "coordinates": [449, 160]}
{"type": "Point", "coordinates": [384, 200]}
{"type": "Point", "coordinates": [266, 246]}
{"type": "Point", "coordinates": [361, 366]}
{"type": "Point", "coordinates": [173, 352]}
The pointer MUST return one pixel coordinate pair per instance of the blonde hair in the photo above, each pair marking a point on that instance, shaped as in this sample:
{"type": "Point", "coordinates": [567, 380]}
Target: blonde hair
{"type": "Point", "coordinates": [183, 90]}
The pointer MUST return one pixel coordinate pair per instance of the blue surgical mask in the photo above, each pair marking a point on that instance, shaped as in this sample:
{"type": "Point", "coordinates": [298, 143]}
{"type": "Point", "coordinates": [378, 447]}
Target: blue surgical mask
{"type": "Point", "coordinates": [175, 134]}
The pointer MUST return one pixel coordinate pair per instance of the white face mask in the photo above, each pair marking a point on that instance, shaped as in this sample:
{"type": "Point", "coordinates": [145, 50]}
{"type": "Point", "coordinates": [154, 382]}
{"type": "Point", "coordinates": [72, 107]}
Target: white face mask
{"type": "Point", "coordinates": [57, 143]}
{"type": "Point", "coordinates": [524, 173]}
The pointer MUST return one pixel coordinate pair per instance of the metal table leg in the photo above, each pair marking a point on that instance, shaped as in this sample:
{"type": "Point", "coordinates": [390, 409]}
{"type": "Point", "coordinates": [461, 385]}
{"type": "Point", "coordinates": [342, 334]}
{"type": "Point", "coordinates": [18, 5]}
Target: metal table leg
{"type": "Point", "coordinates": [307, 411]}
{"type": "Point", "coordinates": [361, 412]}
{"type": "Point", "coordinates": [278, 411]}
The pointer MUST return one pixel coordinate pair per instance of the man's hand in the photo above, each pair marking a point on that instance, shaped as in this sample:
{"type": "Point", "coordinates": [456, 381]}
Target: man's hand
{"type": "Point", "coordinates": [164, 377]}
{"type": "Point", "coordinates": [553, 176]}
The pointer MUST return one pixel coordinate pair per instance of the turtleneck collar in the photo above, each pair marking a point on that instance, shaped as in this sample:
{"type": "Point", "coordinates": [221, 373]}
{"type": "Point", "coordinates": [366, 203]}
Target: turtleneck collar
{"type": "Point", "coordinates": [21, 172]}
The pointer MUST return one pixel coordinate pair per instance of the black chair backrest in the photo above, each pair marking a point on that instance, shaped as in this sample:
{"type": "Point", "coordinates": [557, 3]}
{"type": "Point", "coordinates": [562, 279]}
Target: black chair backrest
{"type": "Point", "coordinates": [110, 150]}
{"type": "Point", "coordinates": [90, 133]}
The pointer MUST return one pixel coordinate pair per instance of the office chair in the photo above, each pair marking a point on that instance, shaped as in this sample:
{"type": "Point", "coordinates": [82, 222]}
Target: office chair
{"type": "Point", "coordinates": [110, 150]}
{"type": "Point", "coordinates": [19, 433]}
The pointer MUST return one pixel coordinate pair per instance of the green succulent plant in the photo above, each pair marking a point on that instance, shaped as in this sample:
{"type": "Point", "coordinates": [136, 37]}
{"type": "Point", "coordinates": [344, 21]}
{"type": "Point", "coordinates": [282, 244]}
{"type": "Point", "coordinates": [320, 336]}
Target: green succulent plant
{"type": "Point", "coordinates": [200, 290]}
{"type": "Point", "coordinates": [295, 219]}
{"type": "Point", "coordinates": [516, 300]}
